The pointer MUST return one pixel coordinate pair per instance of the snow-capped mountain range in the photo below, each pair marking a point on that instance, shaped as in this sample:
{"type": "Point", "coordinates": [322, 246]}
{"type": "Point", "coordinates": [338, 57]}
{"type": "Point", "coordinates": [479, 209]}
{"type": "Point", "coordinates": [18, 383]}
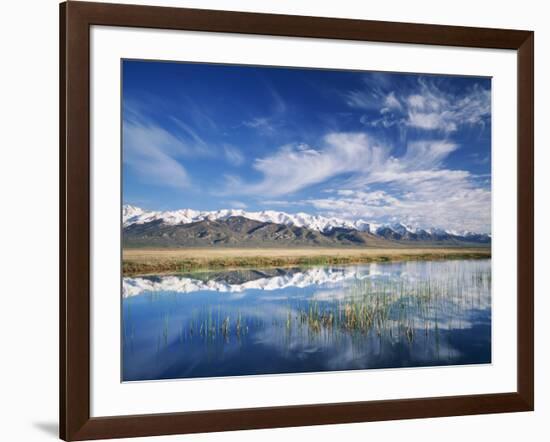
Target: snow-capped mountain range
{"type": "Point", "coordinates": [132, 215]}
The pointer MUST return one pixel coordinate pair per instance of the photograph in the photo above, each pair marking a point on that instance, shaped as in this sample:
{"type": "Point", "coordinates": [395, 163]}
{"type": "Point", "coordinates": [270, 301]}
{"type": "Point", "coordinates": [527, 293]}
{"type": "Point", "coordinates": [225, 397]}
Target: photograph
{"type": "Point", "coordinates": [287, 220]}
{"type": "Point", "coordinates": [281, 220]}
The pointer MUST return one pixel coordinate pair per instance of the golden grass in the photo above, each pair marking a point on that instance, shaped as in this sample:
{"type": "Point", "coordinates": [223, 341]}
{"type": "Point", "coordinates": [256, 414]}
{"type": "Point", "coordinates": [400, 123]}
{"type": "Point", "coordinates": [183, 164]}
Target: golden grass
{"type": "Point", "coordinates": [146, 261]}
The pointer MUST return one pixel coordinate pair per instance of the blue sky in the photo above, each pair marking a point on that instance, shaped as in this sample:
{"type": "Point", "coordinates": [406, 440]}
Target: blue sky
{"type": "Point", "coordinates": [382, 147]}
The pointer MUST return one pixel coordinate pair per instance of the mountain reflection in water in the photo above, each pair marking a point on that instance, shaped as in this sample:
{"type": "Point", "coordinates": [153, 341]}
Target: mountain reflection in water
{"type": "Point", "coordinates": [267, 321]}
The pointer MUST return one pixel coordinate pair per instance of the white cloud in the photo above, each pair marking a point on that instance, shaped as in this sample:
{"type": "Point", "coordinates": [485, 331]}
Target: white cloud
{"type": "Point", "coordinates": [361, 100]}
{"type": "Point", "coordinates": [417, 190]}
{"type": "Point", "coordinates": [416, 101]}
{"type": "Point", "coordinates": [192, 139]}
{"type": "Point", "coordinates": [237, 205]}
{"type": "Point", "coordinates": [416, 187]}
{"type": "Point", "coordinates": [427, 108]}
{"type": "Point", "coordinates": [434, 109]}
{"type": "Point", "coordinates": [427, 154]}
{"type": "Point", "coordinates": [189, 131]}
{"type": "Point", "coordinates": [447, 200]}
{"type": "Point", "coordinates": [386, 121]}
{"type": "Point", "coordinates": [272, 120]}
{"type": "Point", "coordinates": [430, 121]}
{"type": "Point", "coordinates": [156, 154]}
{"type": "Point", "coordinates": [151, 152]}
{"type": "Point", "coordinates": [261, 123]}
{"type": "Point", "coordinates": [233, 155]}
{"type": "Point", "coordinates": [373, 96]}
{"type": "Point", "coordinates": [294, 167]}
{"type": "Point", "coordinates": [391, 101]}
{"type": "Point", "coordinates": [279, 203]}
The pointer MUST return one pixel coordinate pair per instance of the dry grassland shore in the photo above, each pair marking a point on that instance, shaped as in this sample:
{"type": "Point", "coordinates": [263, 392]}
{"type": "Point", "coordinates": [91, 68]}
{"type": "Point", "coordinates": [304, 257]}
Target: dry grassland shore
{"type": "Point", "coordinates": [149, 261]}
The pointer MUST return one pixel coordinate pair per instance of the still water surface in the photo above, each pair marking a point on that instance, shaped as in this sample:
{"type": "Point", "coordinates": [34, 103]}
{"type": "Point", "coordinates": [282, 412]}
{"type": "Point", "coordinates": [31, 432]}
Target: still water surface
{"type": "Point", "coordinates": [265, 321]}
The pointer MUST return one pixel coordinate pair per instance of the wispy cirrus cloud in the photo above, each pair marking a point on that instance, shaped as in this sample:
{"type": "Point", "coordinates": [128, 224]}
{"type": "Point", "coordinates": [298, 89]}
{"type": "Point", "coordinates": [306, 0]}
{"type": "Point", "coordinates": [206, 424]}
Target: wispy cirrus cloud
{"type": "Point", "coordinates": [391, 102]}
{"type": "Point", "coordinates": [151, 152]}
{"type": "Point", "coordinates": [434, 109]}
{"type": "Point", "coordinates": [415, 187]}
{"type": "Point", "coordinates": [264, 124]}
{"type": "Point", "coordinates": [294, 167]}
{"type": "Point", "coordinates": [425, 107]}
{"type": "Point", "coordinates": [373, 93]}
{"type": "Point", "coordinates": [190, 132]}
{"type": "Point", "coordinates": [233, 155]}
{"type": "Point", "coordinates": [157, 152]}
{"type": "Point", "coordinates": [237, 205]}
{"type": "Point", "coordinates": [445, 199]}
{"type": "Point", "coordinates": [270, 121]}
{"type": "Point", "coordinates": [297, 166]}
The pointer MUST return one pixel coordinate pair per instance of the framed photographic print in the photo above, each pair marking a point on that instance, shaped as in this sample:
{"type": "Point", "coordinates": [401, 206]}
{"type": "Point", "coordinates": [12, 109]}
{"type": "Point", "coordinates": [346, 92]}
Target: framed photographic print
{"type": "Point", "coordinates": [273, 221]}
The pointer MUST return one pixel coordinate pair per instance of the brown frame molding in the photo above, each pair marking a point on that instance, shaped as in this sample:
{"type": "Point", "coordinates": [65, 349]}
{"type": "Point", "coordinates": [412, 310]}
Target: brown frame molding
{"type": "Point", "coordinates": [75, 21]}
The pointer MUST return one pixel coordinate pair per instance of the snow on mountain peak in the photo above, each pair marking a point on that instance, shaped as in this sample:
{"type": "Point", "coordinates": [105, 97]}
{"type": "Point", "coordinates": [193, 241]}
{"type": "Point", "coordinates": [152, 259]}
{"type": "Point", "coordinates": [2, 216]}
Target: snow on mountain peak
{"type": "Point", "coordinates": [129, 212]}
{"type": "Point", "coordinates": [135, 215]}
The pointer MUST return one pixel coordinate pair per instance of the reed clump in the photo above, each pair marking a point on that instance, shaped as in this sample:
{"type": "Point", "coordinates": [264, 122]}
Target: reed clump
{"type": "Point", "coordinates": [399, 309]}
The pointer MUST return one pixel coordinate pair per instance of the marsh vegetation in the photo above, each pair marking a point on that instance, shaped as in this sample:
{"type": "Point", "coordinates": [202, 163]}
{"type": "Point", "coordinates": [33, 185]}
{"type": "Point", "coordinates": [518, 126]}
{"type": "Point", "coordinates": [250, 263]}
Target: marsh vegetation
{"type": "Point", "coordinates": [326, 318]}
{"type": "Point", "coordinates": [150, 261]}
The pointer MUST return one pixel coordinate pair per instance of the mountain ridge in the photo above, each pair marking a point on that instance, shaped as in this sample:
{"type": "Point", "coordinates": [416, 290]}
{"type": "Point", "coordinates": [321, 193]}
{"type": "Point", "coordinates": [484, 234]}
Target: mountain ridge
{"type": "Point", "coordinates": [226, 228]}
{"type": "Point", "coordinates": [135, 215]}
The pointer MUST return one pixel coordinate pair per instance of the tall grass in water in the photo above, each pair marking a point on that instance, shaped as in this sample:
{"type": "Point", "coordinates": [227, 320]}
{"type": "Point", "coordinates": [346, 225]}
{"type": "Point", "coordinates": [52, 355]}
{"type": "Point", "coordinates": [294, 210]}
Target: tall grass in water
{"type": "Point", "coordinates": [400, 308]}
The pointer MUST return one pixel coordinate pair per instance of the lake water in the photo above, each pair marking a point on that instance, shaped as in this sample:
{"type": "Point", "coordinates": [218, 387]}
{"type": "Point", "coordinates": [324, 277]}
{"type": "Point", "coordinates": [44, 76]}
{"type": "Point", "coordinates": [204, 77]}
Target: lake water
{"type": "Point", "coordinates": [266, 321]}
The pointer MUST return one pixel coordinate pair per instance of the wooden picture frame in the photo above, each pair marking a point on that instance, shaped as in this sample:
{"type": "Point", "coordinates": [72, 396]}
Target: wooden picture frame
{"type": "Point", "coordinates": [75, 21]}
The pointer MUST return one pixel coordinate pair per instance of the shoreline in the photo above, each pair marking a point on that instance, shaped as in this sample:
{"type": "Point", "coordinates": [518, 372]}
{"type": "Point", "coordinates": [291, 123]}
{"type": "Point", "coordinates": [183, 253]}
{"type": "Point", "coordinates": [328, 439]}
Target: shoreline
{"type": "Point", "coordinates": [137, 262]}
